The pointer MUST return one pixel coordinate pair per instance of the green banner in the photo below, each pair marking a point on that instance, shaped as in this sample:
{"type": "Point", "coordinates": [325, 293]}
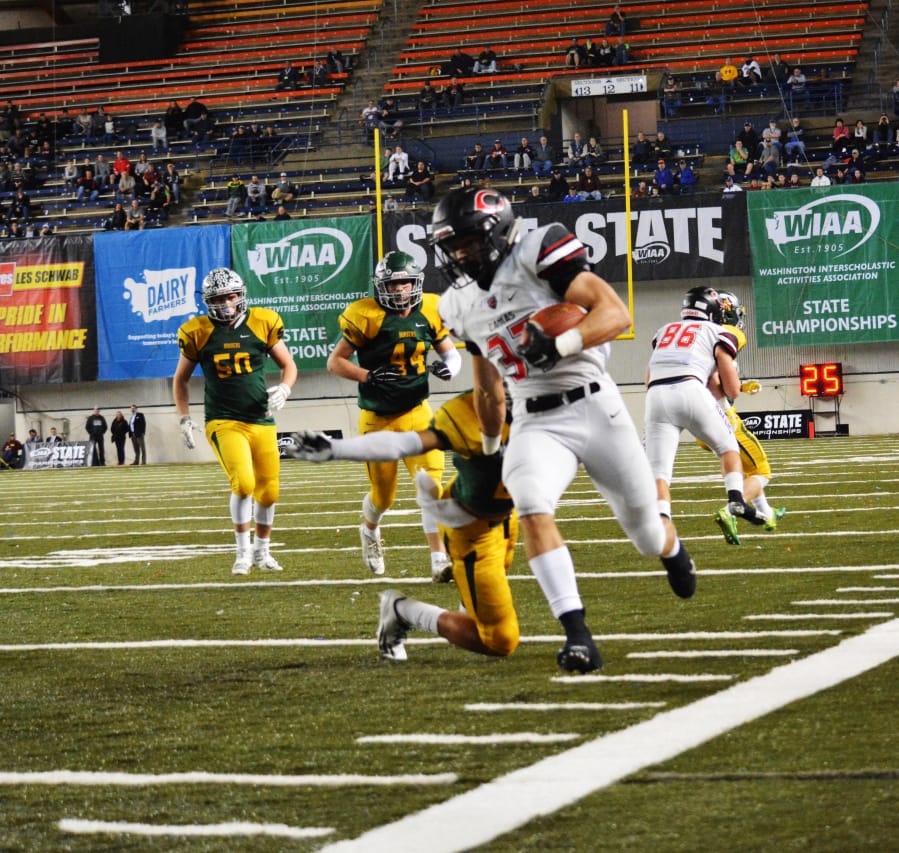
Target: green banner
{"type": "Point", "coordinates": [307, 271]}
{"type": "Point", "coordinates": [825, 265]}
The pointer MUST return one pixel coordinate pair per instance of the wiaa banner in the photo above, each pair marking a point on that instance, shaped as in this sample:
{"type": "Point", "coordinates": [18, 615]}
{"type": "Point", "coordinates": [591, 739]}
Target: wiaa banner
{"type": "Point", "coordinates": [62, 454]}
{"type": "Point", "coordinates": [47, 322]}
{"type": "Point", "coordinates": [825, 265]}
{"type": "Point", "coordinates": [148, 284]}
{"type": "Point", "coordinates": [679, 238]}
{"type": "Point", "coordinates": [307, 271]}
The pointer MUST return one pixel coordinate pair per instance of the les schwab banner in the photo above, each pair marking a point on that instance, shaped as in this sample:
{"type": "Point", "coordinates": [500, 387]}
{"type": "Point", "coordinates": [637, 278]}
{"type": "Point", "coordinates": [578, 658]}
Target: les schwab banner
{"type": "Point", "coordinates": [307, 271]}
{"type": "Point", "coordinates": [825, 265]}
{"type": "Point", "coordinates": [47, 324]}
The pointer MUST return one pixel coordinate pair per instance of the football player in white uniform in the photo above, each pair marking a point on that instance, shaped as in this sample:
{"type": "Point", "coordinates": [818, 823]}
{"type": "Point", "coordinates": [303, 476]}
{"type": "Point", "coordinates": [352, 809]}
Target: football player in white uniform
{"type": "Point", "coordinates": [686, 355]}
{"type": "Point", "coordinates": [566, 408]}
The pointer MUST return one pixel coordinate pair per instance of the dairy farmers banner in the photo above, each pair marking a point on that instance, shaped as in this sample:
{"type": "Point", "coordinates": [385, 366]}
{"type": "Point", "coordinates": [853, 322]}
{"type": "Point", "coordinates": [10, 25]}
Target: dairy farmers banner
{"type": "Point", "coordinates": [825, 265]}
{"type": "Point", "coordinates": [47, 317]}
{"type": "Point", "coordinates": [148, 284]}
{"type": "Point", "coordinates": [307, 271]}
{"type": "Point", "coordinates": [684, 239]}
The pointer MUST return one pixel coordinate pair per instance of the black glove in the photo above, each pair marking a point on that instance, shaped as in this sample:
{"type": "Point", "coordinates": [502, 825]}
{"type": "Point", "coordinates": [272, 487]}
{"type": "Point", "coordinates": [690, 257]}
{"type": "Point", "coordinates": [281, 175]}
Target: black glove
{"type": "Point", "coordinates": [386, 374]}
{"type": "Point", "coordinates": [540, 349]}
{"type": "Point", "coordinates": [440, 370]}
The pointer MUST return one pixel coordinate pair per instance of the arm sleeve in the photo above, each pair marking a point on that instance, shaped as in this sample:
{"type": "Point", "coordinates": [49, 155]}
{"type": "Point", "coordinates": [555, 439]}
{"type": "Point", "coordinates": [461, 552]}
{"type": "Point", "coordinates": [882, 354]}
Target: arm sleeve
{"type": "Point", "coordinates": [452, 360]}
{"type": "Point", "coordinates": [378, 446]}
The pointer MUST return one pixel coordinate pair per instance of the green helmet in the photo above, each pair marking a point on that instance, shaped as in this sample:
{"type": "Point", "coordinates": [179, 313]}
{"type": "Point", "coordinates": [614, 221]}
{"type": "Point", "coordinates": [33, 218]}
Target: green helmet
{"type": "Point", "coordinates": [733, 312]}
{"type": "Point", "coordinates": [393, 269]}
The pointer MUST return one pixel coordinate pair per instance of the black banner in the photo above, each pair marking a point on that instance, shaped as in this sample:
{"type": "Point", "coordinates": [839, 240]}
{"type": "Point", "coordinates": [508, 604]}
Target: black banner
{"type": "Point", "coordinates": [681, 238]}
{"type": "Point", "coordinates": [790, 424]}
{"type": "Point", "coordinates": [63, 454]}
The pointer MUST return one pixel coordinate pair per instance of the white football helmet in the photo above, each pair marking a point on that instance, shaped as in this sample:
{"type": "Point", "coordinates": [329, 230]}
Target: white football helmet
{"type": "Point", "coordinates": [221, 282]}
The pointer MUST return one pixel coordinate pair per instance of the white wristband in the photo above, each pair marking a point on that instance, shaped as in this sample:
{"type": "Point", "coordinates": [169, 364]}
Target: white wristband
{"type": "Point", "coordinates": [570, 343]}
{"type": "Point", "coordinates": [491, 443]}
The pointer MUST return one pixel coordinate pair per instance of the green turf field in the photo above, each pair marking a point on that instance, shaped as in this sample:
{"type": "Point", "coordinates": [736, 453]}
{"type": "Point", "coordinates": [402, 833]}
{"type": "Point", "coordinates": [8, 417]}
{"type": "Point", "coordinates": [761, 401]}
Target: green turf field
{"type": "Point", "coordinates": [197, 712]}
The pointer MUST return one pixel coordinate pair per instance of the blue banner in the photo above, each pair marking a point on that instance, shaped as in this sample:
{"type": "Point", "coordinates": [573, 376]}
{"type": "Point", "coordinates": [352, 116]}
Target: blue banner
{"type": "Point", "coordinates": [148, 284]}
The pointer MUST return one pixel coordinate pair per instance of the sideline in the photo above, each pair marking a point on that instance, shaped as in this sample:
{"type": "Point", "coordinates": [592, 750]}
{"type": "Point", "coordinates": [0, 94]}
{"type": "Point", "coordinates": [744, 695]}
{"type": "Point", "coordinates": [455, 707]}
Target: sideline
{"type": "Point", "coordinates": [508, 802]}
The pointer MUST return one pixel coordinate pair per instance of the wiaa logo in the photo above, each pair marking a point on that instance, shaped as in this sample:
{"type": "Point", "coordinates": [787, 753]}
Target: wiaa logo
{"type": "Point", "coordinates": [752, 422]}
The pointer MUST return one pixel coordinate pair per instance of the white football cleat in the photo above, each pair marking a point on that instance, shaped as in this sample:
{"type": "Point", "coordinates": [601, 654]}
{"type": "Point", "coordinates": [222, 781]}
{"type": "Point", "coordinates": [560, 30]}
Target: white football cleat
{"type": "Point", "coordinates": [242, 565]}
{"type": "Point", "coordinates": [265, 562]}
{"type": "Point", "coordinates": [391, 628]}
{"type": "Point", "coordinates": [372, 549]}
{"type": "Point", "coordinates": [441, 567]}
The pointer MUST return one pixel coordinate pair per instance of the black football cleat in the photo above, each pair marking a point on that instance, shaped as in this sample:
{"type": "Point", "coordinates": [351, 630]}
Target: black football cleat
{"type": "Point", "coordinates": [582, 656]}
{"type": "Point", "coordinates": [681, 573]}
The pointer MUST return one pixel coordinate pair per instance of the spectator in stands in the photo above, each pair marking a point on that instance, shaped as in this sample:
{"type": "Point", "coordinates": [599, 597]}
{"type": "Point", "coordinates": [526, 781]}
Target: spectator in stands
{"type": "Point", "coordinates": [749, 138]}
{"type": "Point", "coordinates": [159, 204]}
{"type": "Point", "coordinates": [102, 172]}
{"type": "Point", "coordinates": [320, 74]}
{"type": "Point", "coordinates": [288, 78]}
{"type": "Point", "coordinates": [139, 169]}
{"type": "Point", "coordinates": [174, 121]}
{"type": "Point", "coordinates": [602, 54]}
{"type": "Point", "coordinates": [641, 190]}
{"type": "Point", "coordinates": [661, 147]}
{"type": "Point", "coordinates": [860, 135]}
{"type": "Point", "coordinates": [731, 186]}
{"type": "Point", "coordinates": [769, 158]}
{"type": "Point", "coordinates": [593, 153]}
{"type": "Point", "coordinates": [255, 200]}
{"type": "Point", "coordinates": [97, 131]}
{"type": "Point", "coordinates": [754, 184]}
{"type": "Point", "coordinates": [685, 178]}
{"type": "Point", "coordinates": [617, 23]}
{"type": "Point", "coordinates": [240, 145]}
{"type": "Point", "coordinates": [840, 143]}
{"type": "Point", "coordinates": [126, 188]}
{"type": "Point", "coordinates": [116, 221]}
{"type": "Point", "coordinates": [750, 72]}
{"type": "Point", "coordinates": [671, 97]}
{"type": "Point", "coordinates": [729, 72]}
{"type": "Point", "coordinates": [453, 94]}
{"type": "Point", "coordinates": [883, 135]}
{"type": "Point", "coordinates": [535, 194]}
{"type": "Point", "coordinates": [427, 98]}
{"type": "Point", "coordinates": [83, 123]}
{"type": "Point", "coordinates": [622, 52]}
{"type": "Point", "coordinates": [368, 118]}
{"type": "Point", "coordinates": [63, 127]}
{"type": "Point", "coordinates": [70, 176]}
{"type": "Point", "coordinates": [420, 183]}
{"type": "Point", "coordinates": [662, 178]}
{"type": "Point", "coordinates": [120, 166]}
{"type": "Point", "coordinates": [795, 145]}
{"type": "Point", "coordinates": [335, 61]}
{"type": "Point", "coordinates": [896, 99]}
{"type": "Point", "coordinates": [719, 91]}
{"type": "Point", "coordinates": [796, 83]}
{"type": "Point", "coordinates": [778, 71]}
{"type": "Point", "coordinates": [159, 137]}
{"type": "Point", "coordinates": [573, 195]}
{"type": "Point", "coordinates": [474, 159]}
{"type": "Point", "coordinates": [772, 134]}
{"type": "Point", "coordinates": [383, 164]}
{"type": "Point", "coordinates": [856, 160]}
{"type": "Point", "coordinates": [88, 191]}
{"type": "Point", "coordinates": [524, 155]}
{"type": "Point", "coordinates": [398, 165]}
{"type": "Point", "coordinates": [284, 191]}
{"type": "Point", "coordinates": [543, 158]}
{"type": "Point", "coordinates": [795, 182]}
{"type": "Point", "coordinates": [641, 152]}
{"type": "Point", "coordinates": [172, 180]}
{"type": "Point", "coordinates": [486, 62]}
{"type": "Point", "coordinates": [236, 193]}
{"type": "Point", "coordinates": [577, 152]}
{"type": "Point", "coordinates": [460, 64]}
{"type": "Point", "coordinates": [202, 127]}
{"type": "Point", "coordinates": [20, 205]}
{"type": "Point", "coordinates": [740, 163]}
{"type": "Point", "coordinates": [820, 179]}
{"type": "Point", "coordinates": [497, 157]}
{"type": "Point", "coordinates": [192, 114]}
{"type": "Point", "coordinates": [281, 214]}
{"type": "Point", "coordinates": [389, 120]}
{"type": "Point", "coordinates": [134, 219]}
{"type": "Point", "coordinates": [558, 187]}
{"type": "Point", "coordinates": [588, 186]}
{"type": "Point", "coordinates": [575, 54]}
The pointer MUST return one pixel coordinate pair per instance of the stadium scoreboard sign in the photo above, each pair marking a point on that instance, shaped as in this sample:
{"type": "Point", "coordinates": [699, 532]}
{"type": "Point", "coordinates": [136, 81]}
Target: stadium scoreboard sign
{"type": "Point", "coordinates": [821, 380]}
{"type": "Point", "coordinates": [624, 84]}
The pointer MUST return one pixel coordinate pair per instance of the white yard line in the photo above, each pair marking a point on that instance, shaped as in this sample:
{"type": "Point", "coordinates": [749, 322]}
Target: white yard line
{"type": "Point", "coordinates": [716, 653]}
{"type": "Point", "coordinates": [562, 706]}
{"type": "Point", "coordinates": [231, 829]}
{"type": "Point", "coordinates": [478, 740]}
{"type": "Point", "coordinates": [510, 801]}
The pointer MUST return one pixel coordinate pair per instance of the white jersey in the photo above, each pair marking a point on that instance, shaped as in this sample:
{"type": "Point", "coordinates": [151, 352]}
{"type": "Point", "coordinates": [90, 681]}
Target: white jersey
{"type": "Point", "coordinates": [494, 319]}
{"type": "Point", "coordinates": [686, 348]}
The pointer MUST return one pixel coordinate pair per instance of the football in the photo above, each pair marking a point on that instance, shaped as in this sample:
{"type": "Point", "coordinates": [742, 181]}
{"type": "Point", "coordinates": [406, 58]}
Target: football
{"type": "Point", "coordinates": [560, 317]}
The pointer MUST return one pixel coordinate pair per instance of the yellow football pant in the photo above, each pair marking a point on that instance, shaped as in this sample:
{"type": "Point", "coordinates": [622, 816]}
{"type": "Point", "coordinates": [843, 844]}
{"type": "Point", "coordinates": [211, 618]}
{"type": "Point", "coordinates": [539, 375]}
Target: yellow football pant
{"type": "Point", "coordinates": [383, 475]}
{"type": "Point", "coordinates": [248, 453]}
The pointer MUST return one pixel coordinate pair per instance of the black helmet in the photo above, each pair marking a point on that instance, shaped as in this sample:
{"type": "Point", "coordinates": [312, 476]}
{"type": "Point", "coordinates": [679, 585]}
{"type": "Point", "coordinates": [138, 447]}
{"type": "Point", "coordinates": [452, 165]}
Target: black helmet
{"type": "Point", "coordinates": [701, 303]}
{"type": "Point", "coordinates": [398, 268]}
{"type": "Point", "coordinates": [732, 312]}
{"type": "Point", "coordinates": [469, 217]}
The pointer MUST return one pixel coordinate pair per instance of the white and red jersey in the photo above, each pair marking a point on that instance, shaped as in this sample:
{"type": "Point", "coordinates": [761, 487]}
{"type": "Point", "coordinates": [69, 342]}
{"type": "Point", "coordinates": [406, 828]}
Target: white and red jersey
{"type": "Point", "coordinates": [686, 348]}
{"type": "Point", "coordinates": [536, 273]}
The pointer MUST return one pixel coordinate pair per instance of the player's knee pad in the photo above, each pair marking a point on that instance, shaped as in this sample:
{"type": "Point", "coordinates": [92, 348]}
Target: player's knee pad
{"type": "Point", "coordinates": [241, 509]}
{"type": "Point", "coordinates": [502, 638]}
{"type": "Point", "coordinates": [263, 514]}
{"type": "Point", "coordinates": [528, 495]}
{"type": "Point", "coordinates": [267, 492]}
